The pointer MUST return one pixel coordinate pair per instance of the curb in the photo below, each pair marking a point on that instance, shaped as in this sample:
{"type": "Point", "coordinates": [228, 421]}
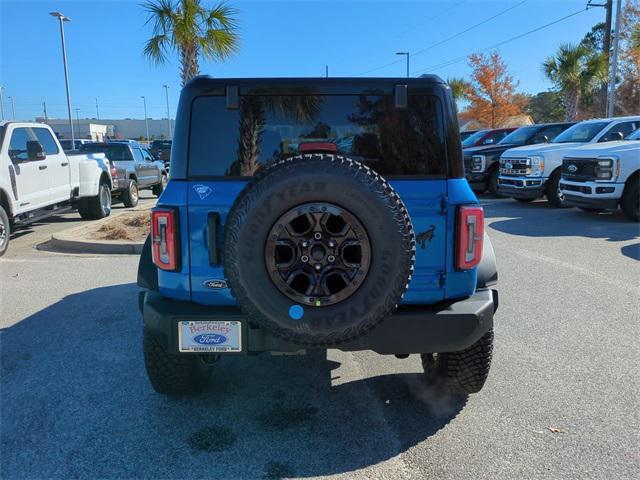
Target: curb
{"type": "Point", "coordinates": [71, 240]}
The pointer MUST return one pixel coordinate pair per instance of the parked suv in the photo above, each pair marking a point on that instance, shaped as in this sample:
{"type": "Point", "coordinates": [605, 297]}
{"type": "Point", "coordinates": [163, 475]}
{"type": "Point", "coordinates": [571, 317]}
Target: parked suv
{"type": "Point", "coordinates": [38, 179]}
{"type": "Point", "coordinates": [598, 177]}
{"type": "Point", "coordinates": [315, 214]}
{"type": "Point", "coordinates": [481, 164]}
{"type": "Point", "coordinates": [527, 173]}
{"type": "Point", "coordinates": [133, 169]}
{"type": "Point", "coordinates": [161, 150]}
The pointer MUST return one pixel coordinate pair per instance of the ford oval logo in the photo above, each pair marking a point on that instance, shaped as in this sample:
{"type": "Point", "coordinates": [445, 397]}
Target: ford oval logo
{"type": "Point", "coordinates": [210, 339]}
{"type": "Point", "coordinates": [508, 165]}
{"type": "Point", "coordinates": [215, 284]}
{"type": "Point", "coordinates": [572, 168]}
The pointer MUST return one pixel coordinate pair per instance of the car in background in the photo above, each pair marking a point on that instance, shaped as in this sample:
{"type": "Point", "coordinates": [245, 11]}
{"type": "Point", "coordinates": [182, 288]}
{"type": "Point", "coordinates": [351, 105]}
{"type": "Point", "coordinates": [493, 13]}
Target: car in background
{"type": "Point", "coordinates": [131, 170]}
{"type": "Point", "coordinates": [161, 150]}
{"type": "Point", "coordinates": [481, 164]}
{"type": "Point", "coordinates": [486, 137]}
{"type": "Point", "coordinates": [531, 172]}
{"type": "Point", "coordinates": [466, 134]}
{"type": "Point", "coordinates": [604, 176]}
{"type": "Point", "coordinates": [77, 143]}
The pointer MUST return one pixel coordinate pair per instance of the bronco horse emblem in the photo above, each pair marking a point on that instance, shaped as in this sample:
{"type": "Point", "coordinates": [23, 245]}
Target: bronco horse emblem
{"type": "Point", "coordinates": [426, 236]}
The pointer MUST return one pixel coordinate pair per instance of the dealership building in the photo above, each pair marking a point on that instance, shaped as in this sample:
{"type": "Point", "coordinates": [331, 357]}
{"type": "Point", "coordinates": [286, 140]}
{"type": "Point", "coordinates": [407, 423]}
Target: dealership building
{"type": "Point", "coordinates": [102, 129]}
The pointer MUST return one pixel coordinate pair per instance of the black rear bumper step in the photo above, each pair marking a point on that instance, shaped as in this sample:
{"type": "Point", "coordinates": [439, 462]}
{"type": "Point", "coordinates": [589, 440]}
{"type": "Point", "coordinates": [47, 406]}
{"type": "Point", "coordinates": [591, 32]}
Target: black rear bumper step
{"type": "Point", "coordinates": [411, 329]}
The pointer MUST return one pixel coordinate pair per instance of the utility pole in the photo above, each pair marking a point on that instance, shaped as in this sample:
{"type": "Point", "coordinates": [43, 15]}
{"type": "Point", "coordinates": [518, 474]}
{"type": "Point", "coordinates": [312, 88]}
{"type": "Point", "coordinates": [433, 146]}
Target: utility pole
{"type": "Point", "coordinates": [407, 55]}
{"type": "Point", "coordinates": [44, 107]}
{"type": "Point", "coordinates": [13, 109]}
{"type": "Point", "coordinates": [326, 71]}
{"type": "Point", "coordinates": [1, 105]}
{"type": "Point", "coordinates": [606, 50]}
{"type": "Point", "coordinates": [146, 120]}
{"type": "Point", "coordinates": [166, 91]}
{"type": "Point", "coordinates": [63, 19]}
{"type": "Point", "coordinates": [97, 110]}
{"type": "Point", "coordinates": [77, 122]}
{"type": "Point", "coordinates": [611, 93]}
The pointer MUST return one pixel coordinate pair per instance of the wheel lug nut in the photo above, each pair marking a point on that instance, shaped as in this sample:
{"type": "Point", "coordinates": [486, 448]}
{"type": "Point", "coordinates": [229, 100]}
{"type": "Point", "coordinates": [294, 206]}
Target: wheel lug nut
{"type": "Point", "coordinates": [318, 266]}
{"type": "Point", "coordinates": [331, 258]}
{"type": "Point", "coordinates": [332, 244]}
{"type": "Point", "coordinates": [317, 235]}
{"type": "Point", "coordinates": [304, 258]}
{"type": "Point", "coordinates": [305, 244]}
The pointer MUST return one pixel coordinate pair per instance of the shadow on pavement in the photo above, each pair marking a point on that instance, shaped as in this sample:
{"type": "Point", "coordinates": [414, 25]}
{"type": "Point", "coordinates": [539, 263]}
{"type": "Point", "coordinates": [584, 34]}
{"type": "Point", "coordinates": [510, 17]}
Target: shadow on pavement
{"type": "Point", "coordinates": [538, 219]}
{"type": "Point", "coordinates": [76, 403]}
{"type": "Point", "coordinates": [631, 251]}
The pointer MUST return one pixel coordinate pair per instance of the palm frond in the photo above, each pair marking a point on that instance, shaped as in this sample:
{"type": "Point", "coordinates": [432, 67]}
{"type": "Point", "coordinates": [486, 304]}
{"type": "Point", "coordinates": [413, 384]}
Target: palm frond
{"type": "Point", "coordinates": [162, 13]}
{"type": "Point", "coordinates": [156, 49]}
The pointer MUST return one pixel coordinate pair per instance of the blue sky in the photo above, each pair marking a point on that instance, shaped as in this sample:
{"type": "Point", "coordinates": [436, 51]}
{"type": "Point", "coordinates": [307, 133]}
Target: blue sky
{"type": "Point", "coordinates": [279, 38]}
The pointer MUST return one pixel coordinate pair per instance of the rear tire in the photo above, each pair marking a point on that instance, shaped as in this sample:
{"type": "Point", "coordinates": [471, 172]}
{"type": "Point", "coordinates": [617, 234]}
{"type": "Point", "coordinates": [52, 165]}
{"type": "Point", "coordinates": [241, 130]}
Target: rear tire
{"type": "Point", "coordinates": [553, 191]}
{"type": "Point", "coordinates": [172, 374]}
{"type": "Point", "coordinates": [460, 373]}
{"type": "Point", "coordinates": [631, 199]}
{"type": "Point", "coordinates": [159, 188]}
{"type": "Point", "coordinates": [5, 231]}
{"type": "Point", "coordinates": [97, 207]}
{"type": "Point", "coordinates": [130, 194]}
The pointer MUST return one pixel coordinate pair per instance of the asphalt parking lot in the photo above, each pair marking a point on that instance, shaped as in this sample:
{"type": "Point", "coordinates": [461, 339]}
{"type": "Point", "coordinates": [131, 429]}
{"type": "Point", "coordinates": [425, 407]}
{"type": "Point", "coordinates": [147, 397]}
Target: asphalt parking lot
{"type": "Point", "coordinates": [561, 400]}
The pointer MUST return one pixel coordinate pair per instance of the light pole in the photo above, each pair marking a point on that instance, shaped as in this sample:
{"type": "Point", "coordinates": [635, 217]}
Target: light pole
{"type": "Point", "coordinates": [97, 110]}
{"type": "Point", "coordinates": [166, 91]}
{"type": "Point", "coordinates": [13, 109]}
{"type": "Point", "coordinates": [63, 19]}
{"type": "Point", "coordinates": [611, 91]}
{"type": "Point", "coordinates": [146, 121]}
{"type": "Point", "coordinates": [77, 122]}
{"type": "Point", "coordinates": [1, 105]}
{"type": "Point", "coordinates": [407, 55]}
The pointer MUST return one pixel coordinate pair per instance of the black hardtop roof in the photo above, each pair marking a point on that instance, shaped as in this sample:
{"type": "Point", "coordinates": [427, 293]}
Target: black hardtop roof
{"type": "Point", "coordinates": [206, 84]}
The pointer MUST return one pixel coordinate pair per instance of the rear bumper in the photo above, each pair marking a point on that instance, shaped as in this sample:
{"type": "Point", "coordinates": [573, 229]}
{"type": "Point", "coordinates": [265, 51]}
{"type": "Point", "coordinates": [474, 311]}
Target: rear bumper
{"type": "Point", "coordinates": [415, 329]}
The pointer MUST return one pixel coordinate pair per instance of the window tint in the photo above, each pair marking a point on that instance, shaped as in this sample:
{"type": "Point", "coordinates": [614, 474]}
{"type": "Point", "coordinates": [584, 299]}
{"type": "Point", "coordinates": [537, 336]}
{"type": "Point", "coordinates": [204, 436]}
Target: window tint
{"type": "Point", "coordinates": [519, 136]}
{"type": "Point", "coordinates": [633, 136]}
{"type": "Point", "coordinates": [46, 140]}
{"type": "Point", "coordinates": [625, 128]}
{"type": "Point", "coordinates": [494, 138]}
{"type": "Point", "coordinates": [367, 128]}
{"type": "Point", "coordinates": [471, 141]}
{"type": "Point", "coordinates": [147, 156]}
{"type": "Point", "coordinates": [581, 132]}
{"type": "Point", "coordinates": [18, 144]}
{"type": "Point", "coordinates": [137, 155]}
{"type": "Point", "coordinates": [113, 151]}
{"type": "Point", "coordinates": [552, 132]}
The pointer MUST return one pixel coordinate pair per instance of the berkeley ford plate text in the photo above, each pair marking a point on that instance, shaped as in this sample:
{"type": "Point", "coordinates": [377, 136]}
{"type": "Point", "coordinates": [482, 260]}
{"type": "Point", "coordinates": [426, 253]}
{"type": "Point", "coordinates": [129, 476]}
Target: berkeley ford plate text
{"type": "Point", "coordinates": [209, 336]}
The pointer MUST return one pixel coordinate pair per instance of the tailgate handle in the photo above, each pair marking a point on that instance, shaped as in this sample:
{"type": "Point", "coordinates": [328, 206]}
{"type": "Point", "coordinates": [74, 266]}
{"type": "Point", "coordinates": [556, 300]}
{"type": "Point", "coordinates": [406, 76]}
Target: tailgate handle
{"type": "Point", "coordinates": [213, 223]}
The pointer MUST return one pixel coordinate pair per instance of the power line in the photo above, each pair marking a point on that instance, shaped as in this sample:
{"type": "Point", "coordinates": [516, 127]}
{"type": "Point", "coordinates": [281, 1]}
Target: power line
{"type": "Point", "coordinates": [466, 30]}
{"type": "Point", "coordinates": [496, 45]}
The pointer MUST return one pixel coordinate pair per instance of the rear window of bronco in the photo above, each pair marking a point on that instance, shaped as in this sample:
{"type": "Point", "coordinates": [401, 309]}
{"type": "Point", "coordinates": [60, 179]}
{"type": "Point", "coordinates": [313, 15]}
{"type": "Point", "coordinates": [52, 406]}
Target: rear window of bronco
{"type": "Point", "coordinates": [265, 128]}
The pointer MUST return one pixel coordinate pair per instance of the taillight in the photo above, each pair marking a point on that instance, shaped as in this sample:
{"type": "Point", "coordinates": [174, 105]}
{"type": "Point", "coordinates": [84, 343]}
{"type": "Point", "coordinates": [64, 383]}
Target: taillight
{"type": "Point", "coordinates": [470, 233]}
{"type": "Point", "coordinates": [164, 239]}
{"type": "Point", "coordinates": [114, 172]}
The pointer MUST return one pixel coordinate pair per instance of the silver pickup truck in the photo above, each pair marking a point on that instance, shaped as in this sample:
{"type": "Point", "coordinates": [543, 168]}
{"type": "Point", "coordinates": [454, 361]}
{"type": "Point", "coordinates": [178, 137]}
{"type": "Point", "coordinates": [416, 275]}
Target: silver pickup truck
{"type": "Point", "coordinates": [132, 169]}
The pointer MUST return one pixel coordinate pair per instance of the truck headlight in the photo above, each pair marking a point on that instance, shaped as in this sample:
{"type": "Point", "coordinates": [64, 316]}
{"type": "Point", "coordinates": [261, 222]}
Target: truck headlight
{"type": "Point", "coordinates": [605, 167]}
{"type": "Point", "coordinates": [535, 166]}
{"type": "Point", "coordinates": [478, 163]}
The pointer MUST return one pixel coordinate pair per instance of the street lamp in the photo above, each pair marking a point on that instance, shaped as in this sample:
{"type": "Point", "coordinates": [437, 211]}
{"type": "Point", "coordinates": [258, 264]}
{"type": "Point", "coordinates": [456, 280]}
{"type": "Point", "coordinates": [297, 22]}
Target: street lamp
{"type": "Point", "coordinates": [13, 109]}
{"type": "Point", "coordinates": [77, 123]}
{"type": "Point", "coordinates": [146, 121]}
{"type": "Point", "coordinates": [1, 105]}
{"type": "Point", "coordinates": [166, 91]}
{"type": "Point", "coordinates": [407, 55]}
{"type": "Point", "coordinates": [63, 19]}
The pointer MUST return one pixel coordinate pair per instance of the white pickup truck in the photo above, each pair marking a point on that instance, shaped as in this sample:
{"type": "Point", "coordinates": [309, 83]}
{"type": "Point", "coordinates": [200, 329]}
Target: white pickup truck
{"type": "Point", "coordinates": [531, 172]}
{"type": "Point", "coordinates": [38, 179]}
{"type": "Point", "coordinates": [599, 177]}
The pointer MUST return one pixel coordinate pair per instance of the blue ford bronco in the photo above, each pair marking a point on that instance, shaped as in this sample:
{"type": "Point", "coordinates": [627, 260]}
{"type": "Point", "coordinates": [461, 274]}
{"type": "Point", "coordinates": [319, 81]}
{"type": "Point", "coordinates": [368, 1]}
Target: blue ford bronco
{"type": "Point", "coordinates": [314, 214]}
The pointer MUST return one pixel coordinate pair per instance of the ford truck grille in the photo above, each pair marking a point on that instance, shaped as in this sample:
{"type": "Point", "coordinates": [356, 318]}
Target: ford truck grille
{"type": "Point", "coordinates": [513, 166]}
{"type": "Point", "coordinates": [579, 169]}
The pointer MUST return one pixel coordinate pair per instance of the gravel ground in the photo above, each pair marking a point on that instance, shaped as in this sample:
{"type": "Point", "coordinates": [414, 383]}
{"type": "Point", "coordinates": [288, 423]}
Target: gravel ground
{"type": "Point", "coordinates": [76, 402]}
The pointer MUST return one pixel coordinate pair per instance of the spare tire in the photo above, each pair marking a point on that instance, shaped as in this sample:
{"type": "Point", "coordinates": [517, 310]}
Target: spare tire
{"type": "Point", "coordinates": [318, 249]}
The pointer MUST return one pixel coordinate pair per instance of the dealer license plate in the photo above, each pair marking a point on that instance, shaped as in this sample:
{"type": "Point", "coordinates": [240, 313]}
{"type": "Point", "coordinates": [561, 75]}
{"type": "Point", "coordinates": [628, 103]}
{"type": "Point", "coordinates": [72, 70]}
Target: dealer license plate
{"type": "Point", "coordinates": [209, 336]}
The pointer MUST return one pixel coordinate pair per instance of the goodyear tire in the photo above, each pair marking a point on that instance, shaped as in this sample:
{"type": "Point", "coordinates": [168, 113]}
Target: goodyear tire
{"type": "Point", "coordinates": [172, 374]}
{"type": "Point", "coordinates": [460, 373]}
{"type": "Point", "coordinates": [318, 249]}
{"type": "Point", "coordinates": [552, 191]}
{"type": "Point", "coordinates": [97, 207]}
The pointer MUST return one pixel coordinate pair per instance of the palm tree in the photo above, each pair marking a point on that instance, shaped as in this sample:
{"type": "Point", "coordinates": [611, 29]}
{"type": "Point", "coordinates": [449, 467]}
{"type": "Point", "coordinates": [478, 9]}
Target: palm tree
{"type": "Point", "coordinates": [191, 29]}
{"type": "Point", "coordinates": [575, 70]}
{"type": "Point", "coordinates": [459, 88]}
